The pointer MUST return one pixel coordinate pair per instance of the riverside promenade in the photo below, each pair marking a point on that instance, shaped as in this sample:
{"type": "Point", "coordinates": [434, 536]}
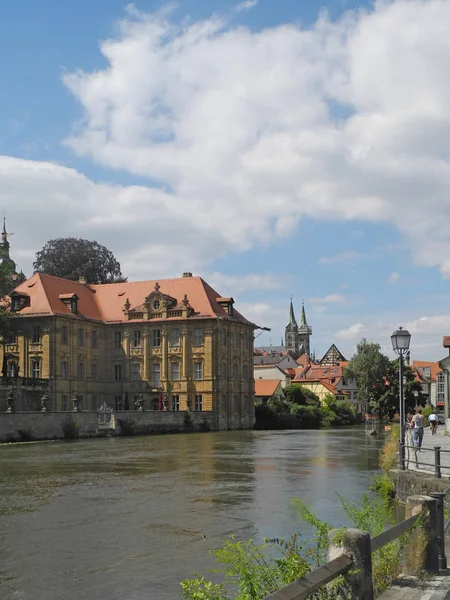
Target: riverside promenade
{"type": "Point", "coordinates": [426, 457]}
{"type": "Point", "coordinates": [437, 587]}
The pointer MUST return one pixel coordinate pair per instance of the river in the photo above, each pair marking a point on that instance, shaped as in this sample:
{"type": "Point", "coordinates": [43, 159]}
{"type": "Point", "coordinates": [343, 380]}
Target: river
{"type": "Point", "coordinates": [129, 518]}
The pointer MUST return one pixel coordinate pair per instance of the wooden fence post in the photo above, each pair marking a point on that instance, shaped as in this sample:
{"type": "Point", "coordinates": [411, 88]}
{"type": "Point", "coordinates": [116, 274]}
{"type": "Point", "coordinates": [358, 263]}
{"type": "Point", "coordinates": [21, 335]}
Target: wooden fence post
{"type": "Point", "coordinates": [354, 544]}
{"type": "Point", "coordinates": [429, 526]}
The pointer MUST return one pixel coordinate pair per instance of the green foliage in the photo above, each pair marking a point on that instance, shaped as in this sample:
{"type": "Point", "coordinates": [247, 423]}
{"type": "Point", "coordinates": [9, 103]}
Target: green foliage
{"type": "Point", "coordinates": [384, 487]}
{"type": "Point", "coordinates": [388, 401]}
{"type": "Point", "coordinates": [127, 427]}
{"type": "Point", "coordinates": [388, 454]}
{"type": "Point", "coordinates": [187, 421]}
{"type": "Point", "coordinates": [368, 368]}
{"type": "Point", "coordinates": [70, 429]}
{"type": "Point", "coordinates": [73, 258]}
{"type": "Point", "coordinates": [297, 394]}
{"type": "Point", "coordinates": [377, 379]}
{"type": "Point", "coordinates": [284, 414]}
{"type": "Point", "coordinates": [200, 589]}
{"type": "Point", "coordinates": [426, 412]}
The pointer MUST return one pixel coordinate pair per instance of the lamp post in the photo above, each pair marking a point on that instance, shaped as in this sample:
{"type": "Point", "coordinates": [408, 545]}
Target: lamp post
{"type": "Point", "coordinates": [400, 344]}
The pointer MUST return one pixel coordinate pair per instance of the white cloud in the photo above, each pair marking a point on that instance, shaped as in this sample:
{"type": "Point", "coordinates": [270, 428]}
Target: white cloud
{"type": "Point", "coordinates": [394, 277]}
{"type": "Point", "coordinates": [247, 5]}
{"type": "Point", "coordinates": [249, 131]}
{"type": "Point", "coordinates": [330, 299]}
{"type": "Point", "coordinates": [354, 332]}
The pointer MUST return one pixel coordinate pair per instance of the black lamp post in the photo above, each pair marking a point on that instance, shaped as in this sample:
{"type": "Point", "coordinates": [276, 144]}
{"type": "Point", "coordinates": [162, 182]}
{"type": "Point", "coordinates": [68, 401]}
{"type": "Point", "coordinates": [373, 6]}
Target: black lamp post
{"type": "Point", "coordinates": [400, 344]}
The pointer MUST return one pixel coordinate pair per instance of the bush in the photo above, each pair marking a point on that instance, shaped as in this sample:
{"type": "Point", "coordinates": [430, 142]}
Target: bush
{"type": "Point", "coordinates": [388, 454]}
{"type": "Point", "coordinates": [187, 421]}
{"type": "Point", "coordinates": [25, 435]}
{"type": "Point", "coordinates": [70, 429]}
{"type": "Point", "coordinates": [297, 394]}
{"type": "Point", "coordinates": [127, 427]}
{"type": "Point", "coordinates": [205, 426]}
{"type": "Point", "coordinates": [306, 417]}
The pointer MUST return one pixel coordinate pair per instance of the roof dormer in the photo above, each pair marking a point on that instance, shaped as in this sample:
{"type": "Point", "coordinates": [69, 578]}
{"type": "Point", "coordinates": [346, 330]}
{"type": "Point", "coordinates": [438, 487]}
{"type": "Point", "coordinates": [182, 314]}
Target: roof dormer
{"type": "Point", "coordinates": [71, 301]}
{"type": "Point", "coordinates": [226, 304]}
{"type": "Point", "coordinates": [19, 300]}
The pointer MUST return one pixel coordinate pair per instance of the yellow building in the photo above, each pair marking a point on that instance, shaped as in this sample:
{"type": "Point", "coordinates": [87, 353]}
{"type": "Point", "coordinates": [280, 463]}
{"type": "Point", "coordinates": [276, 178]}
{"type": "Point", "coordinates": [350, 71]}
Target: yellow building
{"type": "Point", "coordinates": [175, 344]}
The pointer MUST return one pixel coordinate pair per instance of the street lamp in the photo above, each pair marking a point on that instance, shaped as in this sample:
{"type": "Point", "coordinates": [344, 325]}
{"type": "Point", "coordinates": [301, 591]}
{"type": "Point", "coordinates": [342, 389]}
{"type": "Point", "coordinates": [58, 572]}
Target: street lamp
{"type": "Point", "coordinates": [400, 344]}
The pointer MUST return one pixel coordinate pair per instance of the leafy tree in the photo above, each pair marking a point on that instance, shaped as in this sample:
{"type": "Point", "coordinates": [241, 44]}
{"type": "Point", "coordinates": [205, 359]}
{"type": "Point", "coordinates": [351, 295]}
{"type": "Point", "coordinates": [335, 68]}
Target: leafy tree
{"type": "Point", "coordinates": [369, 368]}
{"type": "Point", "coordinates": [73, 258]}
{"type": "Point", "coordinates": [296, 394]}
{"type": "Point", "coordinates": [9, 280]}
{"type": "Point", "coordinates": [389, 401]}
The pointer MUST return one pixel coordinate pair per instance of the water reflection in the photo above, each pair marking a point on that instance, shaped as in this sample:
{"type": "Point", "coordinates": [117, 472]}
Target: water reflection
{"type": "Point", "coordinates": [130, 518]}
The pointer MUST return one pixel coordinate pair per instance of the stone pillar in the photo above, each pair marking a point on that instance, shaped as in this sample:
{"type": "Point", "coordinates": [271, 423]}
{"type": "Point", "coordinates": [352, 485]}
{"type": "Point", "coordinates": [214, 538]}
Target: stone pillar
{"type": "Point", "coordinates": [356, 545]}
{"type": "Point", "coordinates": [429, 527]}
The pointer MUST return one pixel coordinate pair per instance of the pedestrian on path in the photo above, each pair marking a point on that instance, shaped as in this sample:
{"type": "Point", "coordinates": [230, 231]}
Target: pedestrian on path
{"type": "Point", "coordinates": [433, 421]}
{"type": "Point", "coordinates": [416, 425]}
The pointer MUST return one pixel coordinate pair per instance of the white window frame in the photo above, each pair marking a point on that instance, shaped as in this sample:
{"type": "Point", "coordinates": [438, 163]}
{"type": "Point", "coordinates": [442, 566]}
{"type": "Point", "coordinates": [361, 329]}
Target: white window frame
{"type": "Point", "coordinates": [175, 337]}
{"type": "Point", "coordinates": [175, 402]}
{"type": "Point", "coordinates": [198, 402]}
{"type": "Point", "coordinates": [156, 338]}
{"type": "Point", "coordinates": [198, 370]}
{"type": "Point", "coordinates": [198, 336]}
{"type": "Point", "coordinates": [175, 371]}
{"type": "Point", "coordinates": [137, 338]}
{"type": "Point", "coordinates": [35, 368]}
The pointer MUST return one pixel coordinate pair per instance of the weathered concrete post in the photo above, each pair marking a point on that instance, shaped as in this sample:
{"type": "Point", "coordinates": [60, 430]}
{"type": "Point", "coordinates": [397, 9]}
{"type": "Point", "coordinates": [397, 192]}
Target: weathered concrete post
{"type": "Point", "coordinates": [429, 527]}
{"type": "Point", "coordinates": [356, 545]}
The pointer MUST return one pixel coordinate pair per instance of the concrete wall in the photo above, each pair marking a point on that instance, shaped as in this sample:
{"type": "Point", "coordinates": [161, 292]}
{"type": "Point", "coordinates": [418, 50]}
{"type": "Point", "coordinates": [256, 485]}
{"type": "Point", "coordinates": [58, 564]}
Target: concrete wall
{"type": "Point", "coordinates": [26, 426]}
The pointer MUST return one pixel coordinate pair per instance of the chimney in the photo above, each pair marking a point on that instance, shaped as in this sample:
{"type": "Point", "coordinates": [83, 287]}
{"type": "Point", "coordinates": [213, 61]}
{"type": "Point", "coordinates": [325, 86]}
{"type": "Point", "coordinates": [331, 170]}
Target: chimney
{"type": "Point", "coordinates": [187, 274]}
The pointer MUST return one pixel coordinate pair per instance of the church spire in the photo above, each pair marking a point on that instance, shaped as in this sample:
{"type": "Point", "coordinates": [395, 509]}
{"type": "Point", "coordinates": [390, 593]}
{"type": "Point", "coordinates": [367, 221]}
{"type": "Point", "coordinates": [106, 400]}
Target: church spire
{"type": "Point", "coordinates": [4, 242]}
{"type": "Point", "coordinates": [292, 320]}
{"type": "Point", "coordinates": [303, 318]}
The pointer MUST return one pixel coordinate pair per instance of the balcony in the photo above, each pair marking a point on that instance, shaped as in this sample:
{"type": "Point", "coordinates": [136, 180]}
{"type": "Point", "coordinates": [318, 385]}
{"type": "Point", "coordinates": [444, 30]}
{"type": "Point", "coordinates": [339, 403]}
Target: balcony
{"type": "Point", "coordinates": [31, 382]}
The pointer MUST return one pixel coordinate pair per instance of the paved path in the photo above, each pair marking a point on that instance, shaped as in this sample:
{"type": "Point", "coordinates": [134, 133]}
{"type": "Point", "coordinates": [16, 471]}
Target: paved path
{"type": "Point", "coordinates": [410, 588]}
{"type": "Point", "coordinates": [426, 455]}
{"type": "Point", "coordinates": [437, 588]}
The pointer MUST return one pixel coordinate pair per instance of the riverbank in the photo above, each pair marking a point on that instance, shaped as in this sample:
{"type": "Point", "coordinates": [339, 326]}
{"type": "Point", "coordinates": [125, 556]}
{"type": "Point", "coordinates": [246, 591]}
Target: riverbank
{"type": "Point", "coordinates": [33, 426]}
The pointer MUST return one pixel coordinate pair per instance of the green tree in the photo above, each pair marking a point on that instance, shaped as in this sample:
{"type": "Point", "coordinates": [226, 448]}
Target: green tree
{"type": "Point", "coordinates": [296, 394]}
{"type": "Point", "coordinates": [389, 400]}
{"type": "Point", "coordinates": [369, 368]}
{"type": "Point", "coordinates": [72, 258]}
{"type": "Point", "coordinates": [9, 280]}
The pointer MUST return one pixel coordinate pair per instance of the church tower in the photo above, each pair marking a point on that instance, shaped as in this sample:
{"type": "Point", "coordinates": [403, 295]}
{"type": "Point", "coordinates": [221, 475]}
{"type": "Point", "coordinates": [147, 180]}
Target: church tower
{"type": "Point", "coordinates": [7, 265]}
{"type": "Point", "coordinates": [291, 333]}
{"type": "Point", "coordinates": [304, 333]}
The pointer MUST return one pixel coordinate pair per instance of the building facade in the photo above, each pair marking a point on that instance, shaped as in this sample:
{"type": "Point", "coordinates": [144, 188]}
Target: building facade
{"type": "Point", "coordinates": [297, 337]}
{"type": "Point", "coordinates": [169, 345]}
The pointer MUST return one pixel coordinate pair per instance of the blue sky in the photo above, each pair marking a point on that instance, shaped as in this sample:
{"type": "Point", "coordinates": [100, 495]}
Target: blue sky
{"type": "Point", "coordinates": [298, 161]}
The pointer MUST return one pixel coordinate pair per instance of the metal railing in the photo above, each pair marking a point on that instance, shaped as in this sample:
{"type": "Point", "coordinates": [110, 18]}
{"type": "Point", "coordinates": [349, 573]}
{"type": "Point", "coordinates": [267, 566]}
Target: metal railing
{"type": "Point", "coordinates": [436, 465]}
{"type": "Point", "coordinates": [313, 581]}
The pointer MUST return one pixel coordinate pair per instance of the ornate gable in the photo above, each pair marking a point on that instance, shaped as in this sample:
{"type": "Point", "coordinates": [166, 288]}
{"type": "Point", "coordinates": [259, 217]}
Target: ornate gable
{"type": "Point", "coordinates": [158, 306]}
{"type": "Point", "coordinates": [332, 356]}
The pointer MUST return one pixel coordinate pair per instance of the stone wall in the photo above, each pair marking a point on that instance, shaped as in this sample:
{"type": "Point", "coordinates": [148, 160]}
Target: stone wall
{"type": "Point", "coordinates": [27, 426]}
{"type": "Point", "coordinates": [416, 483]}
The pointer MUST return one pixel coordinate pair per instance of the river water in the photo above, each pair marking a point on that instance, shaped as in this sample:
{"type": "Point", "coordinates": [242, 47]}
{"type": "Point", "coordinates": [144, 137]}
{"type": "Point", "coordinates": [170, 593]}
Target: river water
{"type": "Point", "coordinates": [129, 518]}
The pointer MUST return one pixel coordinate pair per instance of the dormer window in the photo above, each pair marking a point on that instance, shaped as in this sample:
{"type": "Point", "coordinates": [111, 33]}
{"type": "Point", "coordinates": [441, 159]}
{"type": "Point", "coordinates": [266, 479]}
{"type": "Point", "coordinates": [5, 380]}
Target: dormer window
{"type": "Point", "coordinates": [227, 304]}
{"type": "Point", "coordinates": [19, 301]}
{"type": "Point", "coordinates": [156, 304]}
{"type": "Point", "coordinates": [71, 301]}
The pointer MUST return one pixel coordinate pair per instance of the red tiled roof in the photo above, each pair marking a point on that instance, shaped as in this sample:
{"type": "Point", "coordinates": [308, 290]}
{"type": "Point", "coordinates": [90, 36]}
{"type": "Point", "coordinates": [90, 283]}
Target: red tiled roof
{"type": "Point", "coordinates": [331, 374]}
{"type": "Point", "coordinates": [106, 302]}
{"type": "Point", "coordinates": [434, 367]}
{"type": "Point", "coordinates": [266, 387]}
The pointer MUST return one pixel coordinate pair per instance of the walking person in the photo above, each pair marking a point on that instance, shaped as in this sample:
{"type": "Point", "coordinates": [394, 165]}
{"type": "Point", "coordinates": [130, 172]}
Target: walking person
{"type": "Point", "coordinates": [433, 421]}
{"type": "Point", "coordinates": [417, 426]}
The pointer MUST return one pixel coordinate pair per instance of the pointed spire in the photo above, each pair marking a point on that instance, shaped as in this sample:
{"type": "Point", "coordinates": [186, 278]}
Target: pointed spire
{"type": "Point", "coordinates": [4, 225]}
{"type": "Point", "coordinates": [303, 319]}
{"type": "Point", "coordinates": [292, 320]}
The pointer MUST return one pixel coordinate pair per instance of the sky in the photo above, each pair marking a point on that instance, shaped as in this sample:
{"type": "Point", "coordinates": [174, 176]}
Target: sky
{"type": "Point", "coordinates": [278, 149]}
